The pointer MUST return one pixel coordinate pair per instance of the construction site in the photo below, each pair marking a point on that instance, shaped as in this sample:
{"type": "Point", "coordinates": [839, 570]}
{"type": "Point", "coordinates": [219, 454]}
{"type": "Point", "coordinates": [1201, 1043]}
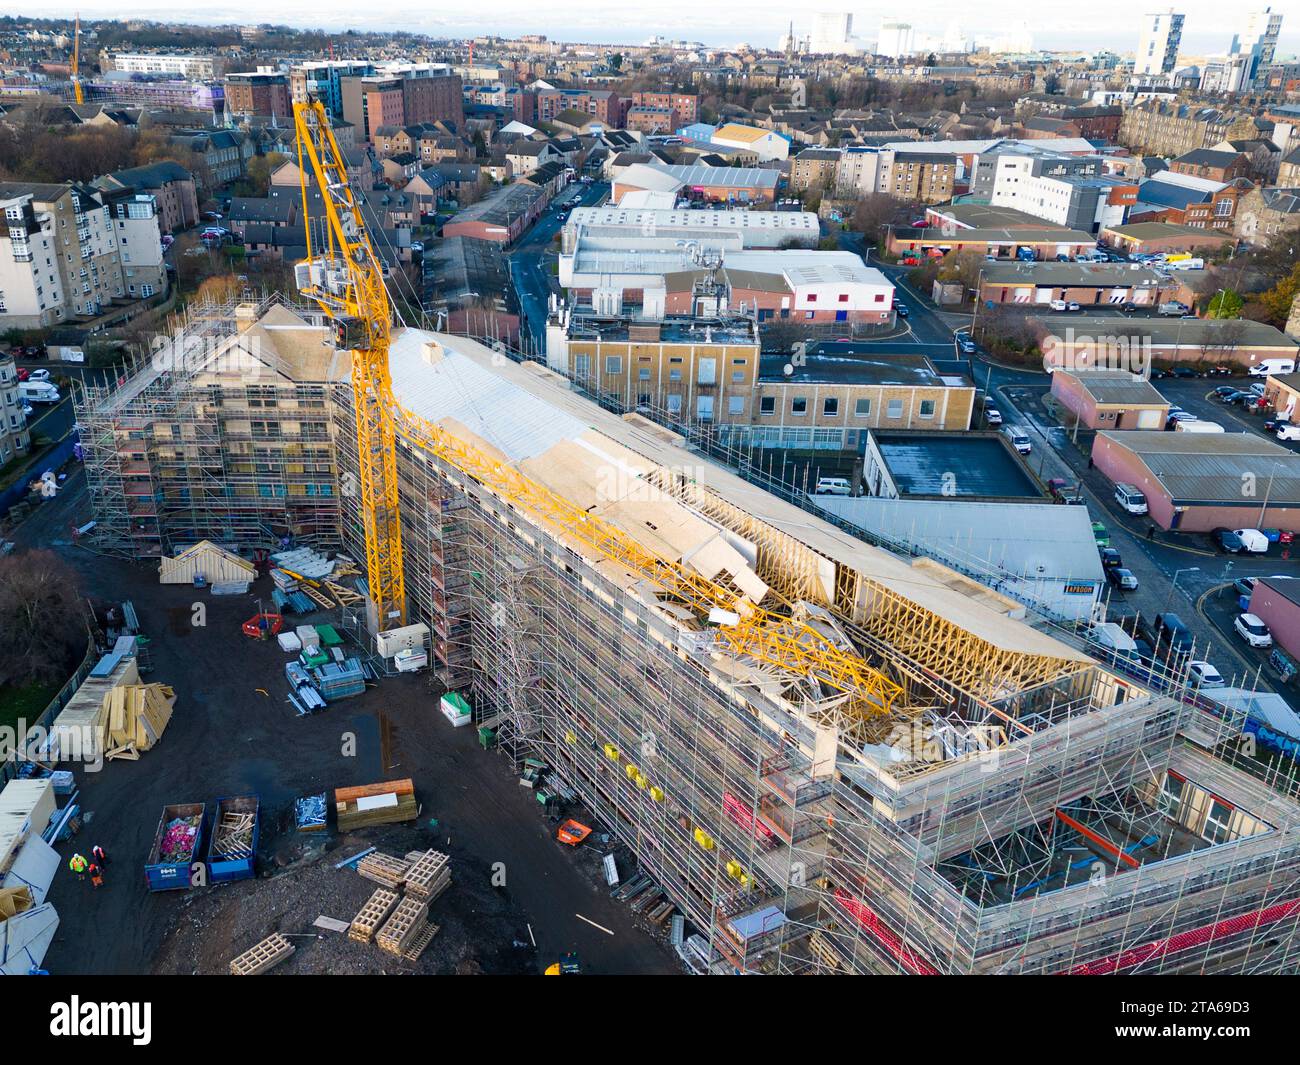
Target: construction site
{"type": "Point", "coordinates": [825, 757]}
{"type": "Point", "coordinates": [869, 765]}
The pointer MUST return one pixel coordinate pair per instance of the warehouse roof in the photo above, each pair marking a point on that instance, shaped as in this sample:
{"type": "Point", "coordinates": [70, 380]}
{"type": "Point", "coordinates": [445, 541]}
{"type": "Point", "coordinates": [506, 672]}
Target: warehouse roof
{"type": "Point", "coordinates": [1158, 230]}
{"type": "Point", "coordinates": [818, 368]}
{"type": "Point", "coordinates": [967, 465]}
{"type": "Point", "coordinates": [1210, 468]}
{"type": "Point", "coordinates": [732, 177]}
{"type": "Point", "coordinates": [1058, 275]}
{"type": "Point", "coordinates": [734, 131]}
{"type": "Point", "coordinates": [1217, 335]}
{"type": "Point", "coordinates": [793, 223]}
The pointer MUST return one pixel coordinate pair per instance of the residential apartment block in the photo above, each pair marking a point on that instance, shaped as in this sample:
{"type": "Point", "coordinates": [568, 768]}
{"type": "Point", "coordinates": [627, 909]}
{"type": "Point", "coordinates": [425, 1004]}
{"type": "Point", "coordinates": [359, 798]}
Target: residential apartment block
{"type": "Point", "coordinates": [69, 251]}
{"type": "Point", "coordinates": [1171, 128]}
{"type": "Point", "coordinates": [684, 107]}
{"type": "Point", "coordinates": [264, 92]}
{"type": "Point", "coordinates": [191, 67]}
{"type": "Point", "coordinates": [15, 440]}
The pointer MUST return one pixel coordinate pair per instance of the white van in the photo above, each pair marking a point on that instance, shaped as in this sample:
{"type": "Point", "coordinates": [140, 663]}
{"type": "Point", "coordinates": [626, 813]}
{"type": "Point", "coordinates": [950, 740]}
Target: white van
{"type": "Point", "coordinates": [1288, 432]}
{"type": "Point", "coordinates": [1271, 366]}
{"type": "Point", "coordinates": [1113, 640]}
{"type": "Point", "coordinates": [833, 486]}
{"type": "Point", "coordinates": [1195, 425]}
{"type": "Point", "coordinates": [1130, 499]}
{"type": "Point", "coordinates": [1253, 540]}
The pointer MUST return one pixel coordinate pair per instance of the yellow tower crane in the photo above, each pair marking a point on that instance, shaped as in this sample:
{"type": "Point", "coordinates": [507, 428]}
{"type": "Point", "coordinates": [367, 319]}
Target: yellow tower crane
{"type": "Point", "coordinates": [76, 61]}
{"type": "Point", "coordinates": [345, 278]}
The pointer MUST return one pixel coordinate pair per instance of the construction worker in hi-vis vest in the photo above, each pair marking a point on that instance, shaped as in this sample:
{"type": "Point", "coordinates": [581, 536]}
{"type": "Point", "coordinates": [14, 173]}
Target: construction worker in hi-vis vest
{"type": "Point", "coordinates": [78, 865]}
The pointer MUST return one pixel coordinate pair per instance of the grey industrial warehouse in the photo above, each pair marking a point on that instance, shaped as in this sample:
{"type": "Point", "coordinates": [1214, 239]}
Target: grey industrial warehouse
{"type": "Point", "coordinates": [985, 798]}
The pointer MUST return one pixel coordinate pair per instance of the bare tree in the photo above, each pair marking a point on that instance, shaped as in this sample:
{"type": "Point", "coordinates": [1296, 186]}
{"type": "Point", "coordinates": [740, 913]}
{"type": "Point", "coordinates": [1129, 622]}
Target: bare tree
{"type": "Point", "coordinates": [42, 624]}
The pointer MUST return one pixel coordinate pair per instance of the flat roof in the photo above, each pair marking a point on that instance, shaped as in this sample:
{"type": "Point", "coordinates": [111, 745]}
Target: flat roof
{"type": "Point", "coordinates": [642, 217]}
{"type": "Point", "coordinates": [1041, 235]}
{"type": "Point", "coordinates": [821, 368]}
{"type": "Point", "coordinates": [1155, 230]}
{"type": "Point", "coordinates": [732, 176]}
{"type": "Point", "coordinates": [1209, 468]}
{"type": "Point", "coordinates": [986, 216]}
{"type": "Point", "coordinates": [1287, 587]}
{"type": "Point", "coordinates": [961, 465]}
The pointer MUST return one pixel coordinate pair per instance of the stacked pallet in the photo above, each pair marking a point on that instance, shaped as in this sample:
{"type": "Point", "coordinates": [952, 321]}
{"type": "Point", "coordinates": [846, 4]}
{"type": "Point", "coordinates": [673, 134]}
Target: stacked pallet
{"type": "Point", "coordinates": [262, 956]}
{"type": "Point", "coordinates": [134, 718]}
{"type": "Point", "coordinates": [384, 869]}
{"type": "Point", "coordinates": [403, 927]}
{"type": "Point", "coordinates": [384, 803]}
{"type": "Point", "coordinates": [420, 940]}
{"type": "Point", "coordinates": [372, 915]}
{"type": "Point", "coordinates": [428, 876]}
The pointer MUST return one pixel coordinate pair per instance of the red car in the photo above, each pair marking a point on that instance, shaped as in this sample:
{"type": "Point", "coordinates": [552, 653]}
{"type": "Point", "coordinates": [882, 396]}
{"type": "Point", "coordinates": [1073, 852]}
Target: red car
{"type": "Point", "coordinates": [23, 373]}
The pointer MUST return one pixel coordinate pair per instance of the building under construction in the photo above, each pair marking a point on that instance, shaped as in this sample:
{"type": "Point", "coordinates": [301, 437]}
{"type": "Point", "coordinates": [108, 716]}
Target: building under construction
{"type": "Point", "coordinates": [983, 798]}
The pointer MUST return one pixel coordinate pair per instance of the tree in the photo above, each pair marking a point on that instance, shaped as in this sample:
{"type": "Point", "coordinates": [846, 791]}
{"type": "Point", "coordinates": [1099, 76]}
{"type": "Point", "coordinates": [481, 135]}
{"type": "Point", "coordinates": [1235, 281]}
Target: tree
{"type": "Point", "coordinates": [874, 213]}
{"type": "Point", "coordinates": [1225, 304]}
{"type": "Point", "coordinates": [42, 623]}
{"type": "Point", "coordinates": [1278, 300]}
{"type": "Point", "coordinates": [260, 169]}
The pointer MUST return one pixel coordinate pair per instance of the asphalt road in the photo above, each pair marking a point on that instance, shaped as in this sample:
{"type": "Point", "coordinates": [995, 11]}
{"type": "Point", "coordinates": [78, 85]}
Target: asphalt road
{"type": "Point", "coordinates": [529, 261]}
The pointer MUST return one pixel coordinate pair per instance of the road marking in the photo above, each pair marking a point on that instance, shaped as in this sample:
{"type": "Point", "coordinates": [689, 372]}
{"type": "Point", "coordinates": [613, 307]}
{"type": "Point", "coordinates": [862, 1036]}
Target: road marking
{"type": "Point", "coordinates": [593, 924]}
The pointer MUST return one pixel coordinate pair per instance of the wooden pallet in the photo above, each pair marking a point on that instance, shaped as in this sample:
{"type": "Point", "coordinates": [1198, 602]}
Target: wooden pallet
{"type": "Point", "coordinates": [419, 941]}
{"type": "Point", "coordinates": [823, 951]}
{"type": "Point", "coordinates": [262, 956]}
{"type": "Point", "coordinates": [426, 873]}
{"type": "Point", "coordinates": [372, 915]}
{"type": "Point", "coordinates": [345, 596]}
{"type": "Point", "coordinates": [384, 869]}
{"type": "Point", "coordinates": [401, 927]}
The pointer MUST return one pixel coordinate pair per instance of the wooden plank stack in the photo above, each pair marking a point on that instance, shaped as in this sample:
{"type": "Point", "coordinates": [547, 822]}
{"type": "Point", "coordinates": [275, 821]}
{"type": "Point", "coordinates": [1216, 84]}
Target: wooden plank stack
{"type": "Point", "coordinates": [262, 956]}
{"type": "Point", "coordinates": [400, 930]}
{"type": "Point", "coordinates": [420, 940]}
{"type": "Point", "coordinates": [372, 915]}
{"type": "Point", "coordinates": [429, 875]}
{"type": "Point", "coordinates": [384, 869]}
{"type": "Point", "coordinates": [355, 812]}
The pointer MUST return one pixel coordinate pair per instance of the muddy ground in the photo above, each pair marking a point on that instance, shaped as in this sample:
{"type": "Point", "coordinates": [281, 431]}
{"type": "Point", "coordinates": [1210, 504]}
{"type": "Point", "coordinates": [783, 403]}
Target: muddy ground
{"type": "Point", "coordinates": [233, 732]}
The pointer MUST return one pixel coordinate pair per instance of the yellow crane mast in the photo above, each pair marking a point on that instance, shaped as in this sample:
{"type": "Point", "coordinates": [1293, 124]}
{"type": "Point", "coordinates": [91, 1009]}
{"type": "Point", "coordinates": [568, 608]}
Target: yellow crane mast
{"type": "Point", "coordinates": [76, 61]}
{"type": "Point", "coordinates": [345, 279]}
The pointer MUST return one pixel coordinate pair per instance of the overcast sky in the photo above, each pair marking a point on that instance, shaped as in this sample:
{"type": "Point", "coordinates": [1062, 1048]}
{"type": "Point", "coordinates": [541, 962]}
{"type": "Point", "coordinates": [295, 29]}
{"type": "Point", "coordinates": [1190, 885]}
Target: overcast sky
{"type": "Point", "coordinates": [1055, 24]}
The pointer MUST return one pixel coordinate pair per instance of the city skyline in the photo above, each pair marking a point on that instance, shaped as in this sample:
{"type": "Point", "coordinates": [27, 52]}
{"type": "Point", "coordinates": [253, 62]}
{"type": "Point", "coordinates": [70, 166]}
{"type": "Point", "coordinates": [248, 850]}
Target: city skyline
{"type": "Point", "coordinates": [1208, 29]}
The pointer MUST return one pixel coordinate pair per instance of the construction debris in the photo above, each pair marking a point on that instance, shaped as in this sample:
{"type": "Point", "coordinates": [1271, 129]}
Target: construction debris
{"type": "Point", "coordinates": [135, 717]}
{"type": "Point", "coordinates": [375, 804]}
{"type": "Point", "coordinates": [232, 836]}
{"type": "Point", "coordinates": [309, 813]}
{"type": "Point", "coordinates": [262, 957]}
{"type": "Point", "coordinates": [14, 901]}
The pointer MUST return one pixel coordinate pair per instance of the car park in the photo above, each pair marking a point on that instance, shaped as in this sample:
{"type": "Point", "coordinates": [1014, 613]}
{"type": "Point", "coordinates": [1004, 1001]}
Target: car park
{"type": "Point", "coordinates": [1229, 541]}
{"type": "Point", "coordinates": [1251, 629]}
{"type": "Point", "coordinates": [1122, 577]}
{"type": "Point", "coordinates": [1202, 674]}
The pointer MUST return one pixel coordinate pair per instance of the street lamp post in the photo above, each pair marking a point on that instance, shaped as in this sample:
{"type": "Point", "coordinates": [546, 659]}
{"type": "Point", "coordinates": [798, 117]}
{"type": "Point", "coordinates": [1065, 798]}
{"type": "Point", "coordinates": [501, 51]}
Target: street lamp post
{"type": "Point", "coordinates": [1174, 586]}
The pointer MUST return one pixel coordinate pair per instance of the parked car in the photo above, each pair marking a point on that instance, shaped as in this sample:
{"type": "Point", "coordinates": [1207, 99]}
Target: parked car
{"type": "Point", "coordinates": [1220, 371]}
{"type": "Point", "coordinates": [1251, 629]}
{"type": "Point", "coordinates": [38, 375]}
{"type": "Point", "coordinates": [1289, 432]}
{"type": "Point", "coordinates": [1184, 372]}
{"type": "Point", "coordinates": [1063, 305]}
{"type": "Point", "coordinates": [1273, 425]}
{"type": "Point", "coordinates": [1110, 558]}
{"type": "Point", "coordinates": [1223, 392]}
{"type": "Point", "coordinates": [901, 310]}
{"type": "Point", "coordinates": [23, 373]}
{"type": "Point", "coordinates": [1229, 541]}
{"type": "Point", "coordinates": [992, 415]}
{"type": "Point", "coordinates": [966, 345]}
{"type": "Point", "coordinates": [1204, 675]}
{"type": "Point", "coordinates": [1064, 491]}
{"type": "Point", "coordinates": [833, 486]}
{"type": "Point", "coordinates": [1144, 650]}
{"type": "Point", "coordinates": [1174, 634]}
{"type": "Point", "coordinates": [1121, 577]}
{"type": "Point", "coordinates": [1100, 534]}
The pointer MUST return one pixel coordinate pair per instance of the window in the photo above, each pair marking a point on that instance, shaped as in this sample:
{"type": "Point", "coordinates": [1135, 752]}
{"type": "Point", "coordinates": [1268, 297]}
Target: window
{"type": "Point", "coordinates": [799, 405]}
{"type": "Point", "coordinates": [894, 409]}
{"type": "Point", "coordinates": [643, 374]}
{"type": "Point", "coordinates": [927, 408]}
{"type": "Point", "coordinates": [1218, 822]}
{"type": "Point", "coordinates": [613, 364]}
{"type": "Point", "coordinates": [674, 375]}
{"type": "Point", "coordinates": [844, 297]}
{"type": "Point", "coordinates": [812, 297]}
{"type": "Point", "coordinates": [735, 404]}
{"type": "Point", "coordinates": [674, 404]}
{"type": "Point", "coordinates": [704, 408]}
{"type": "Point", "coordinates": [830, 407]}
{"type": "Point", "coordinates": [767, 404]}
{"type": "Point", "coordinates": [707, 371]}
{"type": "Point", "coordinates": [582, 365]}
